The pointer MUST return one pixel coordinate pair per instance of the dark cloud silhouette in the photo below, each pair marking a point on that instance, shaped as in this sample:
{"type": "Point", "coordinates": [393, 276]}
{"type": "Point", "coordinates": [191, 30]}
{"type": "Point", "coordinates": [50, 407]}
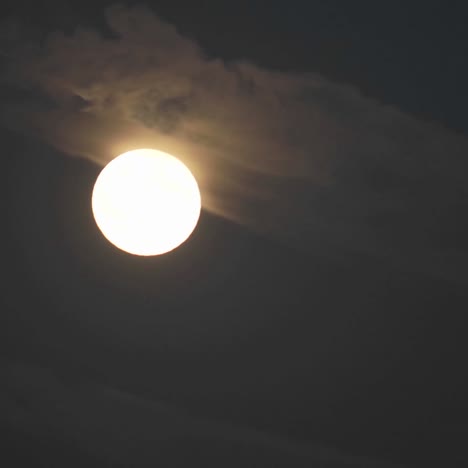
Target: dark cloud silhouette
{"type": "Point", "coordinates": [303, 159]}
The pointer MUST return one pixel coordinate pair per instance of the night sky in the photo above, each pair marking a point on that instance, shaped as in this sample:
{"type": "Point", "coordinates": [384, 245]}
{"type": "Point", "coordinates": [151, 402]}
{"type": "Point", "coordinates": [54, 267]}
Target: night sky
{"type": "Point", "coordinates": [317, 315]}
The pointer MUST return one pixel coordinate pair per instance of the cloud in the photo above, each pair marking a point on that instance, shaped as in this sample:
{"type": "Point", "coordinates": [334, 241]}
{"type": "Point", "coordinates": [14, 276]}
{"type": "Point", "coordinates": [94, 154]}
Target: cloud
{"type": "Point", "coordinates": [128, 430]}
{"type": "Point", "coordinates": [311, 162]}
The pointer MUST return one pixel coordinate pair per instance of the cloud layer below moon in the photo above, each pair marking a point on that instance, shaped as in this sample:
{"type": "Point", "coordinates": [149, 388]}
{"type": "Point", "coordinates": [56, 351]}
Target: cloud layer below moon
{"type": "Point", "coordinates": [129, 430]}
{"type": "Point", "coordinates": [295, 156]}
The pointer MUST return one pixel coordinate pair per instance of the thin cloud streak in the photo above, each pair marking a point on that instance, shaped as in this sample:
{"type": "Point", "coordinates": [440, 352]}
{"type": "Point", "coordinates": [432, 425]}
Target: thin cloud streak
{"type": "Point", "coordinates": [129, 430]}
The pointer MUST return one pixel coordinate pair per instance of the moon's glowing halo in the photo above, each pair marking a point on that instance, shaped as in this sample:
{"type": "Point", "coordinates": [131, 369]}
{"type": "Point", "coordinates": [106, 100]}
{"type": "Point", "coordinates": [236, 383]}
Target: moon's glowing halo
{"type": "Point", "coordinates": [146, 202]}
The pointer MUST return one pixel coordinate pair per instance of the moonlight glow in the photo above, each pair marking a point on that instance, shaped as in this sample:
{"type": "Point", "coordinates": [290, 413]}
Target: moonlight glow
{"type": "Point", "coordinates": [146, 202]}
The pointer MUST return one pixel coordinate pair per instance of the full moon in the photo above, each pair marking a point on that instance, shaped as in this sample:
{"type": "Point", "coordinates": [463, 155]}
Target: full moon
{"type": "Point", "coordinates": [146, 202]}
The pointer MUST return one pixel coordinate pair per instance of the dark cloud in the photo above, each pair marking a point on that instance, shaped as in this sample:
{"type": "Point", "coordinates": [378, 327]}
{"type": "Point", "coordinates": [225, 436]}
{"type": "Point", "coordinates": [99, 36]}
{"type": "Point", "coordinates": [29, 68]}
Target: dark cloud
{"type": "Point", "coordinates": [299, 157]}
{"type": "Point", "coordinates": [127, 430]}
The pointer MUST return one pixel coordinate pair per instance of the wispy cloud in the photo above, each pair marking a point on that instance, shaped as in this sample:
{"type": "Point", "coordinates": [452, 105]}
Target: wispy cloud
{"type": "Point", "coordinates": [296, 156]}
{"type": "Point", "coordinates": [128, 430]}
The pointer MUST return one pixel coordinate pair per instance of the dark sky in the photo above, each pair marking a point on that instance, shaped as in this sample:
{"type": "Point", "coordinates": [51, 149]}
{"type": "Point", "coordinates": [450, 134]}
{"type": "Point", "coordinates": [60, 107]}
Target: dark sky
{"type": "Point", "coordinates": [317, 315]}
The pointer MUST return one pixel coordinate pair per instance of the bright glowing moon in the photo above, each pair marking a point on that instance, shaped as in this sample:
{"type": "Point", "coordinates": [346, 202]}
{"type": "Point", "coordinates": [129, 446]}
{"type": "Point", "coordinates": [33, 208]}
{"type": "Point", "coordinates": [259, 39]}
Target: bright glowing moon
{"type": "Point", "coordinates": [146, 202]}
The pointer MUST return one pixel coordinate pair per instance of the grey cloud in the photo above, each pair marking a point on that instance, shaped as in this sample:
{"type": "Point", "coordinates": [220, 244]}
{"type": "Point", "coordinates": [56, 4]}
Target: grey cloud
{"type": "Point", "coordinates": [308, 161]}
{"type": "Point", "coordinates": [163, 114]}
{"type": "Point", "coordinates": [128, 430]}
